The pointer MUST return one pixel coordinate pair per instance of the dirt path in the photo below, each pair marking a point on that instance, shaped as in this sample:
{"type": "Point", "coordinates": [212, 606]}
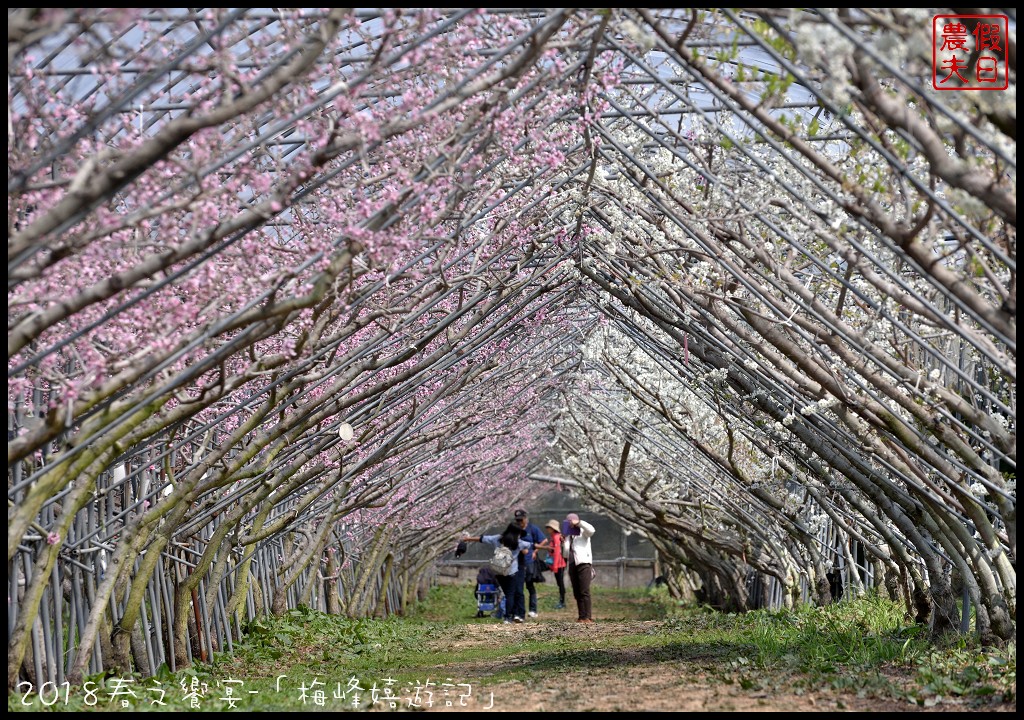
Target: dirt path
{"type": "Point", "coordinates": [615, 672]}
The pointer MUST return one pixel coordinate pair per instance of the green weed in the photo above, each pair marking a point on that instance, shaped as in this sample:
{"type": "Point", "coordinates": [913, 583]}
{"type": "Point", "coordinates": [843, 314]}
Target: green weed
{"type": "Point", "coordinates": [307, 660]}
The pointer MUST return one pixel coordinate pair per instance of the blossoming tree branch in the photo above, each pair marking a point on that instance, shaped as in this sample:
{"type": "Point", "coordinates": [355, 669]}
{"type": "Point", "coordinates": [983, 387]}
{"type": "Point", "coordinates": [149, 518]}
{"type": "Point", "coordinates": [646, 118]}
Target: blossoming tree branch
{"type": "Point", "coordinates": [291, 291]}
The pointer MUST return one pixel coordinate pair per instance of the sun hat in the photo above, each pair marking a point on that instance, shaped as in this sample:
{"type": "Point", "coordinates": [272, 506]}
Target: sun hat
{"type": "Point", "coordinates": [553, 524]}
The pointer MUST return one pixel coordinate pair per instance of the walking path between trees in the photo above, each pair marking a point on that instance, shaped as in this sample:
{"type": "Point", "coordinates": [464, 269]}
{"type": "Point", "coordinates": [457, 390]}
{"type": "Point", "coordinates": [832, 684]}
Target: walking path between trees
{"type": "Point", "coordinates": [642, 653]}
{"type": "Point", "coordinates": [619, 672]}
{"type": "Point", "coordinates": [634, 659]}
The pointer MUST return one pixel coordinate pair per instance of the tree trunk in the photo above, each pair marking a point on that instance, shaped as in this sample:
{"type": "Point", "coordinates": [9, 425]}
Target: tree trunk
{"type": "Point", "coordinates": [331, 584]}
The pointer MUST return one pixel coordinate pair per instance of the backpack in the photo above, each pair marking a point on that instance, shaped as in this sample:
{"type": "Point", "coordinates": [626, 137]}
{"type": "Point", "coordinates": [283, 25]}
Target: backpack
{"type": "Point", "coordinates": [502, 559]}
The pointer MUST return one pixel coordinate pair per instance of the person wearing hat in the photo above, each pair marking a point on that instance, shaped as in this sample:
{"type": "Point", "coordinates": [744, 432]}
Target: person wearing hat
{"type": "Point", "coordinates": [580, 560]}
{"type": "Point", "coordinates": [554, 547]}
{"type": "Point", "coordinates": [531, 534]}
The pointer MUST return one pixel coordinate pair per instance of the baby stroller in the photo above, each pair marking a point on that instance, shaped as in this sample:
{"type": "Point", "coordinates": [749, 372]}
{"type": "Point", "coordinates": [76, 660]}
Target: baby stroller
{"type": "Point", "coordinates": [488, 594]}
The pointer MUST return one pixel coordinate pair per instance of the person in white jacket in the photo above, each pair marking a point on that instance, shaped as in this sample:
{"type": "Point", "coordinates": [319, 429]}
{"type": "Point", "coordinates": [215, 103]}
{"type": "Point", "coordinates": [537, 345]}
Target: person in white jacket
{"type": "Point", "coordinates": [578, 553]}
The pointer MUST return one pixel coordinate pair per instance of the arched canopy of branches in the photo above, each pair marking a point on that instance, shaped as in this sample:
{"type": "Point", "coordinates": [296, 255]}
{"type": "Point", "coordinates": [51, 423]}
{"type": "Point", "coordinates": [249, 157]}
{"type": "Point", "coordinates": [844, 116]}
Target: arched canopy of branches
{"type": "Point", "coordinates": [294, 296]}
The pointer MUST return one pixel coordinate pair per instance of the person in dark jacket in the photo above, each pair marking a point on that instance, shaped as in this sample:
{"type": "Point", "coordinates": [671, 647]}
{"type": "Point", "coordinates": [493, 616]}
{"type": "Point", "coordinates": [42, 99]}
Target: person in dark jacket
{"type": "Point", "coordinates": [532, 534]}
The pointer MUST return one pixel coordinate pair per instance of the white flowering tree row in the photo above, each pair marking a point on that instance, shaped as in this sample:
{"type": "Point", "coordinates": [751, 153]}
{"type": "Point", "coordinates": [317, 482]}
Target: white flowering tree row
{"type": "Point", "coordinates": [828, 302]}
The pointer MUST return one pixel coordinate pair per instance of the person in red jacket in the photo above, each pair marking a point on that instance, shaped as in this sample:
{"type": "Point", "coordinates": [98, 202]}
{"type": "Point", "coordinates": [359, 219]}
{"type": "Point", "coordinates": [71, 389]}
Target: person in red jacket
{"type": "Point", "coordinates": [554, 547]}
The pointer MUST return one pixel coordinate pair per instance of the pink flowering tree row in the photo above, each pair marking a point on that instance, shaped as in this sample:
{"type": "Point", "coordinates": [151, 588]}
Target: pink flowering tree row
{"type": "Point", "coordinates": [277, 277]}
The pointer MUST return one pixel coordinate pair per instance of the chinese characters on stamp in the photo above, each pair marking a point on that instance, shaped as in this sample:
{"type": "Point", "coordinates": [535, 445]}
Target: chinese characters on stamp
{"type": "Point", "coordinates": [969, 52]}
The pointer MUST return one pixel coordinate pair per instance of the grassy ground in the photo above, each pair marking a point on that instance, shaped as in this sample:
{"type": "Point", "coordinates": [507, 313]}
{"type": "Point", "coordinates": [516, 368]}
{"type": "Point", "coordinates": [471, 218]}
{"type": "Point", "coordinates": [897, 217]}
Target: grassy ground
{"type": "Point", "coordinates": [644, 652]}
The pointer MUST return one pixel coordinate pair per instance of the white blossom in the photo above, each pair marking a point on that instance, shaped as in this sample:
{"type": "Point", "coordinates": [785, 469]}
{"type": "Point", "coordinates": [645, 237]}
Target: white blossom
{"type": "Point", "coordinates": [641, 37]}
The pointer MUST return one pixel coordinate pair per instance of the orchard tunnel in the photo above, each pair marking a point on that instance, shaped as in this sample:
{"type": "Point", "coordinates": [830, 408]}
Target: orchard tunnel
{"type": "Point", "coordinates": [295, 297]}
